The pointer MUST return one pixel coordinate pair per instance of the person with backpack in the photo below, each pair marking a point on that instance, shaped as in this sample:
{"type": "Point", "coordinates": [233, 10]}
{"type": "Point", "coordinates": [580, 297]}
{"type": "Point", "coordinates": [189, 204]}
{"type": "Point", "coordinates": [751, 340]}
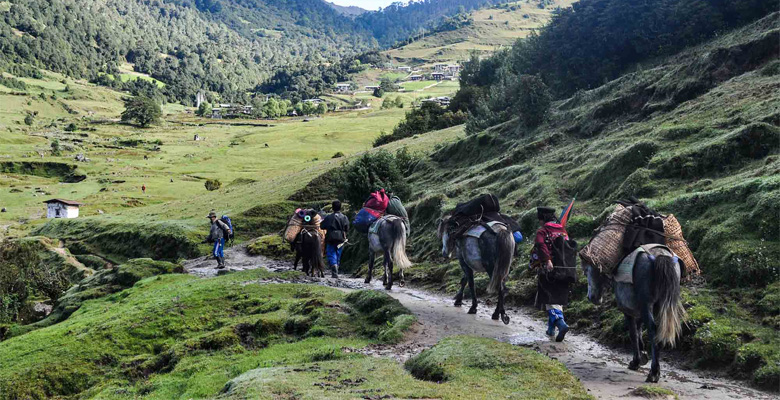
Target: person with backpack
{"type": "Point", "coordinates": [552, 294]}
{"type": "Point", "coordinates": [219, 232]}
{"type": "Point", "coordinates": [336, 226]}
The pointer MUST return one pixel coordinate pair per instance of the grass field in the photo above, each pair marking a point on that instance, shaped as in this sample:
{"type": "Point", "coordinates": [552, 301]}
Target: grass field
{"type": "Point", "coordinates": [255, 164]}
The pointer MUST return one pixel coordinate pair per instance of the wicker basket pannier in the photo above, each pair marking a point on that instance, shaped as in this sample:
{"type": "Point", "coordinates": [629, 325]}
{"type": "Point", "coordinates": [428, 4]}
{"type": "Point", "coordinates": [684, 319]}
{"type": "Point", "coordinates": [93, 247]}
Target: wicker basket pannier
{"type": "Point", "coordinates": [676, 242]}
{"type": "Point", "coordinates": [605, 249]}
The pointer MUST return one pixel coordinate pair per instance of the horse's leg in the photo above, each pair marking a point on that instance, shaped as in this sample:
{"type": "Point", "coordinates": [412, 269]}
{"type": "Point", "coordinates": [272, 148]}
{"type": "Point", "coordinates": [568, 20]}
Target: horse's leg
{"type": "Point", "coordinates": [388, 270]}
{"type": "Point", "coordinates": [470, 277]}
{"type": "Point", "coordinates": [500, 311]}
{"type": "Point", "coordinates": [370, 265]}
{"type": "Point", "coordinates": [497, 312]}
{"type": "Point", "coordinates": [655, 368]}
{"type": "Point", "coordinates": [635, 343]}
{"type": "Point", "coordinates": [459, 295]}
{"type": "Point", "coordinates": [642, 349]}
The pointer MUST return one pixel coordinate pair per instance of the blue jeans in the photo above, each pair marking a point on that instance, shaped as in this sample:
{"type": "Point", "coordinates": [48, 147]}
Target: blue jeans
{"type": "Point", "coordinates": [219, 246]}
{"type": "Point", "coordinates": [334, 254]}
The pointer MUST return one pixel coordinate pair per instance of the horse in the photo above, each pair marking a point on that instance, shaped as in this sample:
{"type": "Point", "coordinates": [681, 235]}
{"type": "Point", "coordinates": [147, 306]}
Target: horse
{"type": "Point", "coordinates": [389, 239]}
{"type": "Point", "coordinates": [309, 247]}
{"type": "Point", "coordinates": [492, 253]}
{"type": "Point", "coordinates": [656, 288]}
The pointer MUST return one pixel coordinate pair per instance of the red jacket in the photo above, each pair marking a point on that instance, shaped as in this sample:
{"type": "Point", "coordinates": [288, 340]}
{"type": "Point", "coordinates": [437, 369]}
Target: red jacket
{"type": "Point", "coordinates": [550, 230]}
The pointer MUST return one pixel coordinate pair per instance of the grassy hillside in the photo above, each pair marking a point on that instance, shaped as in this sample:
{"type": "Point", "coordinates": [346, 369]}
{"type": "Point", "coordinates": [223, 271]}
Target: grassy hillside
{"type": "Point", "coordinates": [177, 336]}
{"type": "Point", "coordinates": [696, 135]}
{"type": "Point", "coordinates": [487, 30]}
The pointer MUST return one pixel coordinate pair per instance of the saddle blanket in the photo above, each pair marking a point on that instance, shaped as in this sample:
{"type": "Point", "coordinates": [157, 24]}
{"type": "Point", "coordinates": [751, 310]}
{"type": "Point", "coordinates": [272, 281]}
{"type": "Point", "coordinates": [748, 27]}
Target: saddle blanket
{"type": "Point", "coordinates": [478, 230]}
{"type": "Point", "coordinates": [374, 228]}
{"type": "Point", "coordinates": [625, 270]}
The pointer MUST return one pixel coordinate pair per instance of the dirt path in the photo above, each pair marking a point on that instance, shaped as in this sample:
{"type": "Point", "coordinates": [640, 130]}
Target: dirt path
{"type": "Point", "coordinates": [602, 370]}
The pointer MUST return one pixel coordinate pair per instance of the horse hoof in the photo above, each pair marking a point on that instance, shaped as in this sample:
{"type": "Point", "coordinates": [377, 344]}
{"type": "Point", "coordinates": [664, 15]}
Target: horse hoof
{"type": "Point", "coordinates": [494, 317]}
{"type": "Point", "coordinates": [643, 359]}
{"type": "Point", "coordinates": [652, 378]}
{"type": "Point", "coordinates": [367, 281]}
{"type": "Point", "coordinates": [458, 303]}
{"type": "Point", "coordinates": [505, 319]}
{"type": "Point", "coordinates": [633, 365]}
{"type": "Point", "coordinates": [472, 310]}
{"type": "Point", "coordinates": [402, 284]}
{"type": "Point", "coordinates": [388, 288]}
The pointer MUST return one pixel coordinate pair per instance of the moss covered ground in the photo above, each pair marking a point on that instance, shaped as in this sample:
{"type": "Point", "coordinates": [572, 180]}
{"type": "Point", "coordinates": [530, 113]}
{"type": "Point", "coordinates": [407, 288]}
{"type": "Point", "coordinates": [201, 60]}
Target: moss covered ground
{"type": "Point", "coordinates": [177, 336]}
{"type": "Point", "coordinates": [458, 367]}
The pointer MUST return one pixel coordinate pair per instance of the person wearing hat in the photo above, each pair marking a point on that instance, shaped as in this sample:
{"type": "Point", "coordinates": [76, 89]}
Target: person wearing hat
{"type": "Point", "coordinates": [551, 295]}
{"type": "Point", "coordinates": [336, 226]}
{"type": "Point", "coordinates": [219, 231]}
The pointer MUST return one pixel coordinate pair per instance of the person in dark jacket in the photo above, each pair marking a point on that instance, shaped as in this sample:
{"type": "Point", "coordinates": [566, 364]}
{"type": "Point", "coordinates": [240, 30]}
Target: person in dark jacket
{"type": "Point", "coordinates": [551, 295]}
{"type": "Point", "coordinates": [336, 226]}
{"type": "Point", "coordinates": [217, 236]}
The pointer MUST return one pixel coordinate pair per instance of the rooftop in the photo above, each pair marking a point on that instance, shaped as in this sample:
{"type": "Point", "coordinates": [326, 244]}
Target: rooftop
{"type": "Point", "coordinates": [68, 202]}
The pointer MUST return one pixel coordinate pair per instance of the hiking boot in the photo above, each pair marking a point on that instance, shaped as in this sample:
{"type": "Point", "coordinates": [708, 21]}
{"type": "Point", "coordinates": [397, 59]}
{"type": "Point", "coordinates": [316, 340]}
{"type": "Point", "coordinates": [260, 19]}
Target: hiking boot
{"type": "Point", "coordinates": [562, 329]}
{"type": "Point", "coordinates": [334, 272]}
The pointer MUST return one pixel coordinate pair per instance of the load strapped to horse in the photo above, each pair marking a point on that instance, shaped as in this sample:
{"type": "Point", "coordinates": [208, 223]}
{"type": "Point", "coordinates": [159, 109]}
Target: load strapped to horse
{"type": "Point", "coordinates": [631, 225]}
{"type": "Point", "coordinates": [639, 253]}
{"type": "Point", "coordinates": [307, 239]}
{"type": "Point", "coordinates": [386, 222]}
{"type": "Point", "coordinates": [485, 241]}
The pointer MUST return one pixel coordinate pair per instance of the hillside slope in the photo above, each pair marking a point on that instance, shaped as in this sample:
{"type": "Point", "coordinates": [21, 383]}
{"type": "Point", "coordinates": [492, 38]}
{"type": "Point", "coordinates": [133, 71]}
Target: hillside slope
{"type": "Point", "coordinates": [696, 135]}
{"type": "Point", "coordinates": [484, 30]}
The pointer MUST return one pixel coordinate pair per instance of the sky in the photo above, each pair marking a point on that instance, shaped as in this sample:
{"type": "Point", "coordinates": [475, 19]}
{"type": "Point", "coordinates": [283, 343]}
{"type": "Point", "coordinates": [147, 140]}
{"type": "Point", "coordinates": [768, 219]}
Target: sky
{"type": "Point", "coordinates": [367, 4]}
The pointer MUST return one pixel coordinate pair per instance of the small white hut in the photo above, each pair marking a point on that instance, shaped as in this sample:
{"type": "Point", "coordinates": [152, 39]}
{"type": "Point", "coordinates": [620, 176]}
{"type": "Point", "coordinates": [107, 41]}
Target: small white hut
{"type": "Point", "coordinates": [58, 208]}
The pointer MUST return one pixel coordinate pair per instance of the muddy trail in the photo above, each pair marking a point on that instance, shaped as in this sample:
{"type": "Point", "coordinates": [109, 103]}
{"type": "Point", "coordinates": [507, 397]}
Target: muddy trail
{"type": "Point", "coordinates": [602, 370]}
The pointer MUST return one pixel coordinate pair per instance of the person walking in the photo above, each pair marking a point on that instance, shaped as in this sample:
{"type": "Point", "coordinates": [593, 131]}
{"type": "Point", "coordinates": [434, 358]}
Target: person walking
{"type": "Point", "coordinates": [143, 188]}
{"type": "Point", "coordinates": [219, 231]}
{"type": "Point", "coordinates": [336, 226]}
{"type": "Point", "coordinates": [551, 294]}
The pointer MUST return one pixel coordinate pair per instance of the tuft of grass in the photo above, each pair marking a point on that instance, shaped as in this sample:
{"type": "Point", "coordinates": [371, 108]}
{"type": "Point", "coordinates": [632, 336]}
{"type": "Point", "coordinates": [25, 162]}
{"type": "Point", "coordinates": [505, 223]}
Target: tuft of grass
{"type": "Point", "coordinates": [654, 392]}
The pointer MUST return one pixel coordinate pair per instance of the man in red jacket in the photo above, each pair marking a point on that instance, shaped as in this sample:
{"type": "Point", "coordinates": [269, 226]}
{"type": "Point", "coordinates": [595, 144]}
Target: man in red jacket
{"type": "Point", "coordinates": [551, 295]}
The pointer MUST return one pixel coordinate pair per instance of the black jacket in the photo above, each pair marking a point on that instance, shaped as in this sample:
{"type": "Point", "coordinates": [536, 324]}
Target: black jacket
{"type": "Point", "coordinates": [335, 222]}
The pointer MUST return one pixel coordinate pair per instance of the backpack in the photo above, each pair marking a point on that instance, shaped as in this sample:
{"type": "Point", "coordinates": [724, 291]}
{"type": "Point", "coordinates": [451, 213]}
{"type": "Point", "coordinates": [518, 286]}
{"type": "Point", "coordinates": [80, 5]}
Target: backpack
{"type": "Point", "coordinates": [564, 257]}
{"type": "Point", "coordinates": [230, 233]}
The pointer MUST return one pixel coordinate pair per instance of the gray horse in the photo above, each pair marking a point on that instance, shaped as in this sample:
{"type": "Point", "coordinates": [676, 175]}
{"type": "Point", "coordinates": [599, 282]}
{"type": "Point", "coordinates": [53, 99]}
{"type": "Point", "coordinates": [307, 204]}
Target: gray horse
{"type": "Point", "coordinates": [491, 253]}
{"type": "Point", "coordinates": [656, 288]}
{"type": "Point", "coordinates": [390, 240]}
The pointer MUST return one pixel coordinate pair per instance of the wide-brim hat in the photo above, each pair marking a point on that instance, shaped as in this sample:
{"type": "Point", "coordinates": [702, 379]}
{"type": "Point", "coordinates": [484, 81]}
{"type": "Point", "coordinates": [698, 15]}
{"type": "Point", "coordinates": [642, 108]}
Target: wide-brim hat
{"type": "Point", "coordinates": [212, 213]}
{"type": "Point", "coordinates": [542, 211]}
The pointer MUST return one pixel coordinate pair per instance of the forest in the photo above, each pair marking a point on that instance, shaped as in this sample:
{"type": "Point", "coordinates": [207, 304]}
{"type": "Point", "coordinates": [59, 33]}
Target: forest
{"type": "Point", "coordinates": [223, 46]}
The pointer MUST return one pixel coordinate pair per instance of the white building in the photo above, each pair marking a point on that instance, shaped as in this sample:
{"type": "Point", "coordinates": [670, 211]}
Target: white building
{"type": "Point", "coordinates": [404, 68]}
{"type": "Point", "coordinates": [343, 87]}
{"type": "Point", "coordinates": [58, 208]}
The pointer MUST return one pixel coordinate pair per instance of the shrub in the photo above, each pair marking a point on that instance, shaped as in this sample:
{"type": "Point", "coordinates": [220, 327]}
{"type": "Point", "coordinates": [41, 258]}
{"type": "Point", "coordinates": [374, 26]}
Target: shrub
{"type": "Point", "coordinates": [71, 127]}
{"type": "Point", "coordinates": [533, 99]}
{"type": "Point", "coordinates": [212, 184]}
{"type": "Point", "coordinates": [371, 171]}
{"type": "Point", "coordinates": [429, 117]}
{"type": "Point", "coordinates": [29, 119]}
{"type": "Point", "coordinates": [338, 155]}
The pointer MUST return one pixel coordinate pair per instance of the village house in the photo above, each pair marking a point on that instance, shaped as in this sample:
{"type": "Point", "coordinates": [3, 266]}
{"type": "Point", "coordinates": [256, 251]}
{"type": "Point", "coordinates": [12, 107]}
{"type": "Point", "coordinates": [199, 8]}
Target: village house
{"type": "Point", "coordinates": [416, 78]}
{"type": "Point", "coordinates": [343, 87]}
{"type": "Point", "coordinates": [404, 68]}
{"type": "Point", "coordinates": [230, 111]}
{"type": "Point", "coordinates": [58, 208]}
{"type": "Point", "coordinates": [453, 69]}
{"type": "Point", "coordinates": [314, 101]}
{"type": "Point", "coordinates": [440, 67]}
{"type": "Point", "coordinates": [372, 87]}
{"type": "Point", "coordinates": [438, 76]}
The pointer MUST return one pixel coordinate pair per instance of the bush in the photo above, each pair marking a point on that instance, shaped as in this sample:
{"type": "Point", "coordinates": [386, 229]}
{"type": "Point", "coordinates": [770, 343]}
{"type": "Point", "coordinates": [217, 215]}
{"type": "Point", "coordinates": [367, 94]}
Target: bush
{"type": "Point", "coordinates": [371, 171]}
{"type": "Point", "coordinates": [143, 110]}
{"type": "Point", "coordinates": [533, 99]}
{"type": "Point", "coordinates": [338, 155]}
{"type": "Point", "coordinates": [429, 117]}
{"type": "Point", "coordinates": [213, 184]}
{"type": "Point", "coordinates": [29, 119]}
{"type": "Point", "coordinates": [71, 127]}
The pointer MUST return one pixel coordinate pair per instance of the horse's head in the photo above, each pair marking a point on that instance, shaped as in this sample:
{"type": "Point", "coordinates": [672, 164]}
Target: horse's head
{"type": "Point", "coordinates": [596, 282]}
{"type": "Point", "coordinates": [447, 243]}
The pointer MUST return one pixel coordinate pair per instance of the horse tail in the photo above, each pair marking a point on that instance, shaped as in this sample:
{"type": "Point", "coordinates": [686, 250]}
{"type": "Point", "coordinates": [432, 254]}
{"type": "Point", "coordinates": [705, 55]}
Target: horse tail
{"type": "Point", "coordinates": [505, 244]}
{"type": "Point", "coordinates": [398, 251]}
{"type": "Point", "coordinates": [670, 311]}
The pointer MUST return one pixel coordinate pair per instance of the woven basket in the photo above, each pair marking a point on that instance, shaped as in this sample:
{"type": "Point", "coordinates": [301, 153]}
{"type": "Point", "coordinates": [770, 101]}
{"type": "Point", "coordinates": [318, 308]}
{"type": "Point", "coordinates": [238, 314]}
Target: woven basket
{"type": "Point", "coordinates": [605, 249]}
{"type": "Point", "coordinates": [295, 224]}
{"type": "Point", "coordinates": [676, 242]}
